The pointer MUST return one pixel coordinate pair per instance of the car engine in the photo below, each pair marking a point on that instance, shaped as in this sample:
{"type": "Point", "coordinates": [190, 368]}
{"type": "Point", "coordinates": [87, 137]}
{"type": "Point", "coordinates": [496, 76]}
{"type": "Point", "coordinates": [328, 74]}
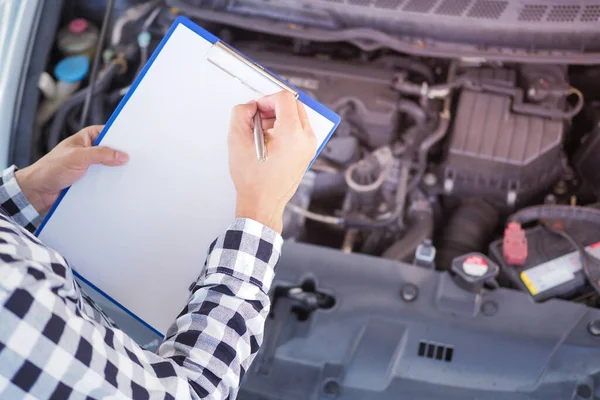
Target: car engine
{"type": "Point", "coordinates": [472, 179]}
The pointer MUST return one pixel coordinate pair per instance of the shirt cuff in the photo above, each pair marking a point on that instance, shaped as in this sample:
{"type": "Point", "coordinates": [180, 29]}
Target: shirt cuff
{"type": "Point", "coordinates": [247, 251]}
{"type": "Point", "coordinates": [14, 203]}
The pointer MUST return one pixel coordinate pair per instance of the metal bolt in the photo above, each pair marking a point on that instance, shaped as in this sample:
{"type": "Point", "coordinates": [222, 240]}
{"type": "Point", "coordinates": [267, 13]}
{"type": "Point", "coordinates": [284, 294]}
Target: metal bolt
{"type": "Point", "coordinates": [489, 308]}
{"type": "Point", "coordinates": [409, 292]}
{"type": "Point", "coordinates": [560, 188]}
{"type": "Point", "coordinates": [550, 199]}
{"type": "Point", "coordinates": [594, 327]}
{"type": "Point", "coordinates": [332, 388]}
{"type": "Point", "coordinates": [430, 179]}
{"type": "Point", "coordinates": [584, 391]}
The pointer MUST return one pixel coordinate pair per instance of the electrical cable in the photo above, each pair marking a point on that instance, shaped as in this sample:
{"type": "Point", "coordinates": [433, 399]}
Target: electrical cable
{"type": "Point", "coordinates": [96, 64]}
{"type": "Point", "coordinates": [553, 211]}
{"type": "Point", "coordinates": [518, 105]}
{"type": "Point", "coordinates": [327, 219]}
{"type": "Point", "coordinates": [132, 14]}
{"type": "Point", "coordinates": [151, 18]}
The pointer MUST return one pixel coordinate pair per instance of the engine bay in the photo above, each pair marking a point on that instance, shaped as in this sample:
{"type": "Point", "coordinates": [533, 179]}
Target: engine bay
{"type": "Point", "coordinates": [463, 187]}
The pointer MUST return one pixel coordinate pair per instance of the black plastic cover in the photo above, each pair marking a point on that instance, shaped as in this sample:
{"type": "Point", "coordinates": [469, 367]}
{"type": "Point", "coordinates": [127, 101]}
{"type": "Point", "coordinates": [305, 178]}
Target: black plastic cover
{"type": "Point", "coordinates": [375, 342]}
{"type": "Point", "coordinates": [524, 24]}
{"type": "Point", "coordinates": [493, 150]}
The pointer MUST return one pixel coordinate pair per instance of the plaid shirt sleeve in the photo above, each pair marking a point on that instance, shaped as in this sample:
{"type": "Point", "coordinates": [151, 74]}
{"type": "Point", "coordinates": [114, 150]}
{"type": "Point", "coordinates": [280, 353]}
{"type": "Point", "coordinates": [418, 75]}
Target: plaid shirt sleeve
{"type": "Point", "coordinates": [50, 347]}
{"type": "Point", "coordinates": [14, 202]}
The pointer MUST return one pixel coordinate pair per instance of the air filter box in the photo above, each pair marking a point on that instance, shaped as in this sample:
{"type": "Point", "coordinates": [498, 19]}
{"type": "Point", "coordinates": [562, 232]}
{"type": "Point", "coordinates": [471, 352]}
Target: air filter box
{"type": "Point", "coordinates": [496, 153]}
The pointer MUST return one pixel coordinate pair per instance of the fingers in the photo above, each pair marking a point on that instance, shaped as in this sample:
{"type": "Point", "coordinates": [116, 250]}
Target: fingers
{"type": "Point", "coordinates": [306, 123]}
{"type": "Point", "coordinates": [93, 131]}
{"type": "Point", "coordinates": [99, 155]}
{"type": "Point", "coordinates": [302, 114]}
{"type": "Point", "coordinates": [270, 114]}
{"type": "Point", "coordinates": [267, 123]}
{"type": "Point", "coordinates": [242, 118]}
{"type": "Point", "coordinates": [286, 110]}
{"type": "Point", "coordinates": [87, 136]}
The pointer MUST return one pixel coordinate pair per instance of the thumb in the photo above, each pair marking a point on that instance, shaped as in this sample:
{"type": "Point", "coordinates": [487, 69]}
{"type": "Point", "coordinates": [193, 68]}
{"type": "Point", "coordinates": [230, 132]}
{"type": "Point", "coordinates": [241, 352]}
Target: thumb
{"type": "Point", "coordinates": [101, 155]}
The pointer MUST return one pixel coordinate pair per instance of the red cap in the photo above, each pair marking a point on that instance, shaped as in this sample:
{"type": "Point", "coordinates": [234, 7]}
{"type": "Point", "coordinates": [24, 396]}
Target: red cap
{"type": "Point", "coordinates": [514, 245]}
{"type": "Point", "coordinates": [78, 25]}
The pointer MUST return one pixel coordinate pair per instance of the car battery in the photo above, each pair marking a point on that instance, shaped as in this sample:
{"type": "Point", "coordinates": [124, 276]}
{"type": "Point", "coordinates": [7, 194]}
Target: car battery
{"type": "Point", "coordinates": [553, 267]}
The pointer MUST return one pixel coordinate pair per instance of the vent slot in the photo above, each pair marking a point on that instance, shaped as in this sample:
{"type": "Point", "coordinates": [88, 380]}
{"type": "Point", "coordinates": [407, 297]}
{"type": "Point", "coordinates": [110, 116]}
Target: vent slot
{"type": "Point", "coordinates": [389, 4]}
{"type": "Point", "coordinates": [533, 13]}
{"type": "Point", "coordinates": [422, 6]}
{"type": "Point", "coordinates": [454, 8]}
{"type": "Point", "coordinates": [435, 351]}
{"type": "Point", "coordinates": [364, 3]}
{"type": "Point", "coordinates": [590, 14]}
{"type": "Point", "coordinates": [488, 9]}
{"type": "Point", "coordinates": [563, 13]}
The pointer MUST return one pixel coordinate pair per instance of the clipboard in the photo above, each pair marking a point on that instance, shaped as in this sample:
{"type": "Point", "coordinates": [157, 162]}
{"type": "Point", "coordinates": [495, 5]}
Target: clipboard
{"type": "Point", "coordinates": [138, 234]}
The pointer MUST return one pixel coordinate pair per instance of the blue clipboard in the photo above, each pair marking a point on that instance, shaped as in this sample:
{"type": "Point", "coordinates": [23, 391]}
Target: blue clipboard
{"type": "Point", "coordinates": [62, 239]}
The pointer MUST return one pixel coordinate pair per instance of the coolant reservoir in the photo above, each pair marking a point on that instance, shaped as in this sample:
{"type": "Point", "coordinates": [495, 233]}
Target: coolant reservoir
{"type": "Point", "coordinates": [78, 38]}
{"type": "Point", "coordinates": [69, 73]}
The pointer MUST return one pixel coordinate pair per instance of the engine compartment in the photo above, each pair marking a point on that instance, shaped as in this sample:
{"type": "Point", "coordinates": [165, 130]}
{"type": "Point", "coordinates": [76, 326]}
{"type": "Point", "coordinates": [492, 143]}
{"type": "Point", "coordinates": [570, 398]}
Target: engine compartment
{"type": "Point", "coordinates": [451, 207]}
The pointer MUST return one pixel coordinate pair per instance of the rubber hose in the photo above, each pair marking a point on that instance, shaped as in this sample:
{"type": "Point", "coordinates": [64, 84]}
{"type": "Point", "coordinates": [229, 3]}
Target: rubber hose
{"type": "Point", "coordinates": [550, 211]}
{"type": "Point", "coordinates": [469, 229]}
{"type": "Point", "coordinates": [110, 5]}
{"type": "Point", "coordinates": [425, 148]}
{"type": "Point", "coordinates": [58, 123]}
{"type": "Point", "coordinates": [72, 121]}
{"type": "Point", "coordinates": [97, 116]}
{"type": "Point", "coordinates": [415, 66]}
{"type": "Point", "coordinates": [419, 228]}
{"type": "Point", "coordinates": [415, 111]}
{"type": "Point", "coordinates": [434, 91]}
{"type": "Point", "coordinates": [114, 97]}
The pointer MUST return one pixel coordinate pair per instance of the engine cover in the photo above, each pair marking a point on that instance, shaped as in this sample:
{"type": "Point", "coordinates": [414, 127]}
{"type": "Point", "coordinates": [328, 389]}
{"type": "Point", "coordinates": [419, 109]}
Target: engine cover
{"type": "Point", "coordinates": [496, 153]}
{"type": "Point", "coordinates": [388, 330]}
{"type": "Point", "coordinates": [366, 90]}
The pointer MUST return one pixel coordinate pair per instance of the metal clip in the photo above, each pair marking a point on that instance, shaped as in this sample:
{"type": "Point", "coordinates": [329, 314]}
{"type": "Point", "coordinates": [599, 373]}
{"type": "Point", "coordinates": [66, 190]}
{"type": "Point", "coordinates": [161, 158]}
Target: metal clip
{"type": "Point", "coordinates": [254, 66]}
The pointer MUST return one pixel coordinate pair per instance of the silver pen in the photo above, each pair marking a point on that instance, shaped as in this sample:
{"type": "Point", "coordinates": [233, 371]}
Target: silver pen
{"type": "Point", "coordinates": [259, 139]}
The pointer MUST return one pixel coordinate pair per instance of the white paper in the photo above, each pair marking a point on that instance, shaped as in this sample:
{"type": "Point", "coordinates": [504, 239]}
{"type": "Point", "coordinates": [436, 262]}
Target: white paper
{"type": "Point", "coordinates": [140, 232]}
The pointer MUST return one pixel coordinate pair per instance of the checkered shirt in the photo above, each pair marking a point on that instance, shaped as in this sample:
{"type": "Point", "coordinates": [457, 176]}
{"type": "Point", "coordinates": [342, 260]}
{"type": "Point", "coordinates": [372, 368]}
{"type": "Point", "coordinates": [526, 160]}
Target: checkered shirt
{"type": "Point", "coordinates": [55, 343]}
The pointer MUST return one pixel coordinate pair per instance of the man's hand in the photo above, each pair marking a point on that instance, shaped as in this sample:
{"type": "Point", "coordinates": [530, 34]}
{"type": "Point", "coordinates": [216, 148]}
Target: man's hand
{"type": "Point", "coordinates": [264, 189]}
{"type": "Point", "coordinates": [43, 181]}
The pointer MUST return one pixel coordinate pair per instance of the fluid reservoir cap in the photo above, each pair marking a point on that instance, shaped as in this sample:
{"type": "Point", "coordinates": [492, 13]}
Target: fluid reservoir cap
{"type": "Point", "coordinates": [78, 25]}
{"type": "Point", "coordinates": [474, 269]}
{"type": "Point", "coordinates": [72, 69]}
{"type": "Point", "coordinates": [144, 39]}
{"type": "Point", "coordinates": [475, 265]}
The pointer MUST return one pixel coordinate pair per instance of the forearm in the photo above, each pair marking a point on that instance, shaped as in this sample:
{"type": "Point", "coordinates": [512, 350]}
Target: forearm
{"type": "Point", "coordinates": [207, 350]}
{"type": "Point", "coordinates": [218, 334]}
{"type": "Point", "coordinates": [14, 203]}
